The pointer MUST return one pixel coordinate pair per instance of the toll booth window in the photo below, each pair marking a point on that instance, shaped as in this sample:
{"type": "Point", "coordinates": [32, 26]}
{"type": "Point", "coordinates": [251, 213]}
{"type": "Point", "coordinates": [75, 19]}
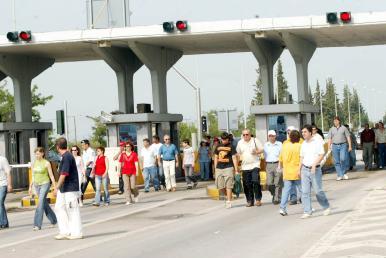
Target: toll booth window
{"type": "Point", "coordinates": [278, 124]}
{"type": "Point", "coordinates": [128, 132]}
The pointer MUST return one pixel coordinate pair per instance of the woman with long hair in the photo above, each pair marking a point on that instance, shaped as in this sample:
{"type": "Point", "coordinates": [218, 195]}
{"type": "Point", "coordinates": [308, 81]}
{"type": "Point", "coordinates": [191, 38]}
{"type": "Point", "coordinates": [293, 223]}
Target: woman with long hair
{"type": "Point", "coordinates": [75, 150]}
{"type": "Point", "coordinates": [100, 172]}
{"type": "Point", "coordinates": [41, 176]}
{"type": "Point", "coordinates": [128, 167]}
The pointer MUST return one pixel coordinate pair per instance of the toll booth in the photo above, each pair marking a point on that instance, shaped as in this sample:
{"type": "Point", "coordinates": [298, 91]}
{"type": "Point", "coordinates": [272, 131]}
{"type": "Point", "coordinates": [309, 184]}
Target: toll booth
{"type": "Point", "coordinates": [138, 126]}
{"type": "Point", "coordinates": [279, 117]}
{"type": "Point", "coordinates": [15, 146]}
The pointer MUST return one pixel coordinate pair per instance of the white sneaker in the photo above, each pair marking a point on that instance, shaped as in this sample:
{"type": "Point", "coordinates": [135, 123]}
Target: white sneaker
{"type": "Point", "coordinates": [345, 177]}
{"type": "Point", "coordinates": [129, 203]}
{"type": "Point", "coordinates": [327, 212]}
{"type": "Point", "coordinates": [136, 199]}
{"type": "Point", "coordinates": [61, 237]}
{"type": "Point", "coordinates": [283, 212]}
{"type": "Point", "coordinates": [228, 204]}
{"type": "Point", "coordinates": [35, 228]}
{"type": "Point", "coordinates": [74, 237]}
{"type": "Point", "coordinates": [338, 178]}
{"type": "Point", "coordinates": [80, 203]}
{"type": "Point", "coordinates": [305, 216]}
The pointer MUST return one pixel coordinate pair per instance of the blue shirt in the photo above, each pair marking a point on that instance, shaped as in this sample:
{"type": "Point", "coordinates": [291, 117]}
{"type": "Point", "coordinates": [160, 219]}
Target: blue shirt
{"type": "Point", "coordinates": [204, 154]}
{"type": "Point", "coordinates": [272, 151]}
{"type": "Point", "coordinates": [168, 152]}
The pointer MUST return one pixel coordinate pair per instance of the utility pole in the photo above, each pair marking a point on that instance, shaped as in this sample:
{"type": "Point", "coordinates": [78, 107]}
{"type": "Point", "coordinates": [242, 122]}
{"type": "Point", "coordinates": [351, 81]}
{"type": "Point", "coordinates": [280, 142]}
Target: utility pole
{"type": "Point", "coordinates": [65, 120]}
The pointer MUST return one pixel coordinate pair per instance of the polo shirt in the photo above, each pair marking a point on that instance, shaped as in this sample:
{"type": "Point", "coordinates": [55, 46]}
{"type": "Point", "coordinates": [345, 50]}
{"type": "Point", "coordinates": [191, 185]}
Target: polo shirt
{"type": "Point", "coordinates": [249, 161]}
{"type": "Point", "coordinates": [310, 151]}
{"type": "Point", "coordinates": [272, 151]}
{"type": "Point", "coordinates": [68, 168]}
{"type": "Point", "coordinates": [338, 135]}
{"type": "Point", "coordinates": [380, 136]}
{"type": "Point", "coordinates": [148, 156]}
{"type": "Point", "coordinates": [168, 152]}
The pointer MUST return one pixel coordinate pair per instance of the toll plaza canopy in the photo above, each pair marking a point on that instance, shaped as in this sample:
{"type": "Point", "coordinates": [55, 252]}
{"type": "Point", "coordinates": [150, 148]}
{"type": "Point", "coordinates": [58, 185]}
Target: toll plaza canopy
{"type": "Point", "coordinates": [205, 37]}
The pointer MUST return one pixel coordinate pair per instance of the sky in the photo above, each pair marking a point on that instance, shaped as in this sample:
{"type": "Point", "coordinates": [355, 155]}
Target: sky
{"type": "Point", "coordinates": [90, 87]}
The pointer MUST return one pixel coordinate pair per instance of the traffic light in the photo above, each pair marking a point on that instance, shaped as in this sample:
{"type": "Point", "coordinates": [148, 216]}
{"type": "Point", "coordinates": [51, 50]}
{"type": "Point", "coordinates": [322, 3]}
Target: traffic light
{"type": "Point", "coordinates": [13, 36]}
{"type": "Point", "coordinates": [345, 17]}
{"type": "Point", "coordinates": [204, 125]}
{"type": "Point", "coordinates": [60, 122]}
{"type": "Point", "coordinates": [168, 26]}
{"type": "Point", "coordinates": [332, 18]}
{"type": "Point", "coordinates": [25, 35]}
{"type": "Point", "coordinates": [182, 25]}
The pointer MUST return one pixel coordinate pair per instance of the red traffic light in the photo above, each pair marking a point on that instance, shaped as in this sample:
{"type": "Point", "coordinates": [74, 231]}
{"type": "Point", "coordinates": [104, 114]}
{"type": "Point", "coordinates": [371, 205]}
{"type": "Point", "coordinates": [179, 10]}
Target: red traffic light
{"type": "Point", "coordinates": [345, 17]}
{"type": "Point", "coordinates": [182, 25]}
{"type": "Point", "coordinates": [25, 35]}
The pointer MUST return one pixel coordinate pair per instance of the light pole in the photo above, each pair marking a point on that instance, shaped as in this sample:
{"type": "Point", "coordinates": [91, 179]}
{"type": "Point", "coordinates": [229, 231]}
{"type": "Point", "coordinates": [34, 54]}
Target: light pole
{"type": "Point", "coordinates": [198, 101]}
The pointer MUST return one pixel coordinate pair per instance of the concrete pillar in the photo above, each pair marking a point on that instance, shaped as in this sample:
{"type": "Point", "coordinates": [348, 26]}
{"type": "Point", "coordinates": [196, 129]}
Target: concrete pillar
{"type": "Point", "coordinates": [301, 51]}
{"type": "Point", "coordinates": [22, 69]}
{"type": "Point", "coordinates": [158, 60]}
{"type": "Point", "coordinates": [124, 63]}
{"type": "Point", "coordinates": [266, 53]}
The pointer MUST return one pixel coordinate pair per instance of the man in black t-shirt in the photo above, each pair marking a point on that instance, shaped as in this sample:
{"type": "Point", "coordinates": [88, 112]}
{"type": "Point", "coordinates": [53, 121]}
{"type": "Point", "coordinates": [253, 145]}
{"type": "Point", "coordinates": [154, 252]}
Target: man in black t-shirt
{"type": "Point", "coordinates": [67, 191]}
{"type": "Point", "coordinates": [225, 162]}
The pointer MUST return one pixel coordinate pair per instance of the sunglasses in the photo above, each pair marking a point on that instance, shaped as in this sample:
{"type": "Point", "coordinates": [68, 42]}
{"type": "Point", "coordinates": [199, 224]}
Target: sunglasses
{"type": "Point", "coordinates": [167, 139]}
{"type": "Point", "coordinates": [74, 150]}
{"type": "Point", "coordinates": [245, 134]}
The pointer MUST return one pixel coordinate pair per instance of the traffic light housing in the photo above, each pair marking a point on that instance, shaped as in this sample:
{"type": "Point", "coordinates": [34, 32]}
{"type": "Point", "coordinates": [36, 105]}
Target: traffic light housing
{"type": "Point", "coordinates": [13, 36]}
{"type": "Point", "coordinates": [168, 26]}
{"type": "Point", "coordinates": [25, 35]}
{"type": "Point", "coordinates": [204, 124]}
{"type": "Point", "coordinates": [60, 127]}
{"type": "Point", "coordinates": [182, 25]}
{"type": "Point", "coordinates": [332, 18]}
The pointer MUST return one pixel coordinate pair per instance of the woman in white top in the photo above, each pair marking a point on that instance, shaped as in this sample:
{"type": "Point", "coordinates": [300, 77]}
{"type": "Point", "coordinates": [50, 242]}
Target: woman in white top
{"type": "Point", "coordinates": [188, 164]}
{"type": "Point", "coordinates": [5, 187]}
{"type": "Point", "coordinates": [75, 150]}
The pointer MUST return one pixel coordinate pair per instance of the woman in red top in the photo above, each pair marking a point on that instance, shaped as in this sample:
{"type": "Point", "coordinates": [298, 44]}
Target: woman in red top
{"type": "Point", "coordinates": [100, 171]}
{"type": "Point", "coordinates": [128, 167]}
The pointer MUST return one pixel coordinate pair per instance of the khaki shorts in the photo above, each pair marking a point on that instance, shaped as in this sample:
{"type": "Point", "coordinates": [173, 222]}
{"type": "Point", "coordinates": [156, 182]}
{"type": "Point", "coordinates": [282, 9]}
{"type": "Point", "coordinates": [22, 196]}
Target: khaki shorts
{"type": "Point", "coordinates": [224, 178]}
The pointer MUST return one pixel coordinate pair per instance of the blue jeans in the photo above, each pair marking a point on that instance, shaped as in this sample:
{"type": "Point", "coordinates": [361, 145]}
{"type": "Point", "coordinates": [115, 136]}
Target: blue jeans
{"type": "Point", "coordinates": [150, 173]}
{"type": "Point", "coordinates": [289, 186]}
{"type": "Point", "coordinates": [204, 170]}
{"type": "Point", "coordinates": [3, 211]}
{"type": "Point", "coordinates": [382, 154]}
{"type": "Point", "coordinates": [294, 193]}
{"type": "Point", "coordinates": [312, 180]}
{"type": "Point", "coordinates": [341, 158]}
{"type": "Point", "coordinates": [98, 181]}
{"type": "Point", "coordinates": [43, 206]}
{"type": "Point", "coordinates": [353, 158]}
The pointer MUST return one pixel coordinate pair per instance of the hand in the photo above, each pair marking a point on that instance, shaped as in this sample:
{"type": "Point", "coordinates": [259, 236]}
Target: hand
{"type": "Point", "coordinates": [9, 188]}
{"type": "Point", "coordinates": [30, 191]}
{"type": "Point", "coordinates": [92, 175]}
{"type": "Point", "coordinates": [177, 164]}
{"type": "Point", "coordinates": [375, 146]}
{"type": "Point", "coordinates": [104, 175]}
{"type": "Point", "coordinates": [55, 192]}
{"type": "Point", "coordinates": [313, 169]}
{"type": "Point", "coordinates": [349, 149]}
{"type": "Point", "coordinates": [254, 152]}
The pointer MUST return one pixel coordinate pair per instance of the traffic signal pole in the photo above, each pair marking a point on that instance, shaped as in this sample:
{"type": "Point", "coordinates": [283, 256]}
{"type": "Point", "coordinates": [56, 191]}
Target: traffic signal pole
{"type": "Point", "coordinates": [198, 102]}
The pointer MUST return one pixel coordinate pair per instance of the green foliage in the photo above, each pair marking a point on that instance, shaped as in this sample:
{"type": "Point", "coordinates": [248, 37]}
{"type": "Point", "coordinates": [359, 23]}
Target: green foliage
{"type": "Point", "coordinates": [99, 132]}
{"type": "Point", "coordinates": [258, 90]}
{"type": "Point", "coordinates": [282, 84]}
{"type": "Point", "coordinates": [213, 123]}
{"type": "Point", "coordinates": [7, 104]}
{"type": "Point", "coordinates": [185, 131]}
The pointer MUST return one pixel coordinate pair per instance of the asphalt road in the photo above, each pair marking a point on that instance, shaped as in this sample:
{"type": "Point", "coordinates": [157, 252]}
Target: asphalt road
{"type": "Point", "coordinates": [189, 224]}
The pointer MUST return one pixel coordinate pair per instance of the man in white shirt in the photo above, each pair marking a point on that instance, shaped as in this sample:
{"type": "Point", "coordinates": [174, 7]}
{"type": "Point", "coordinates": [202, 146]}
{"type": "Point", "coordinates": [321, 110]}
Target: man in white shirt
{"type": "Point", "coordinates": [88, 157]}
{"type": "Point", "coordinates": [5, 187]}
{"type": "Point", "coordinates": [188, 164]}
{"type": "Point", "coordinates": [148, 163]}
{"type": "Point", "coordinates": [272, 150]}
{"type": "Point", "coordinates": [311, 154]}
{"type": "Point", "coordinates": [156, 146]}
{"type": "Point", "coordinates": [249, 150]}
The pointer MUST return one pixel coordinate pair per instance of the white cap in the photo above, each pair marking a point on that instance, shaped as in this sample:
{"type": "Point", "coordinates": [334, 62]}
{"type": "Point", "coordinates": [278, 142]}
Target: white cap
{"type": "Point", "coordinates": [291, 128]}
{"type": "Point", "coordinates": [271, 132]}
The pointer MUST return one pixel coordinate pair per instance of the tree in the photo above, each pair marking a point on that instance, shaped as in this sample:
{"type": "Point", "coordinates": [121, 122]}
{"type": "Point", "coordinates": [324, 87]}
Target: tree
{"type": "Point", "coordinates": [99, 132]}
{"type": "Point", "coordinates": [185, 131]}
{"type": "Point", "coordinates": [329, 103]}
{"type": "Point", "coordinates": [316, 101]}
{"type": "Point", "coordinates": [258, 90]}
{"type": "Point", "coordinates": [7, 104]}
{"type": "Point", "coordinates": [213, 123]}
{"type": "Point", "coordinates": [282, 84]}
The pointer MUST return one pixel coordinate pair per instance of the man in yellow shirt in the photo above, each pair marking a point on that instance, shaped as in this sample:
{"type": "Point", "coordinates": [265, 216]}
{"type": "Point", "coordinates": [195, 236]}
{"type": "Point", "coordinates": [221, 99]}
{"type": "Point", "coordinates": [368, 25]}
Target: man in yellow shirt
{"type": "Point", "coordinates": [289, 161]}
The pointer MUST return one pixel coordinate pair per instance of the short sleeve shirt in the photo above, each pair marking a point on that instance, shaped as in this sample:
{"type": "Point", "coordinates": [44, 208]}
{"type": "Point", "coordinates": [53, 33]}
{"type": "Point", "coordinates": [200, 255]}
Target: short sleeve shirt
{"type": "Point", "coordinates": [311, 150]}
{"type": "Point", "coordinates": [338, 135]}
{"type": "Point", "coordinates": [168, 152]}
{"type": "Point", "coordinates": [249, 161]}
{"type": "Point", "coordinates": [68, 168]}
{"type": "Point", "coordinates": [188, 156]}
{"type": "Point", "coordinates": [224, 156]}
{"type": "Point", "coordinates": [148, 156]}
{"type": "Point", "coordinates": [88, 156]}
{"type": "Point", "coordinates": [128, 163]}
{"type": "Point", "coordinates": [272, 151]}
{"type": "Point", "coordinates": [204, 154]}
{"type": "Point", "coordinates": [4, 170]}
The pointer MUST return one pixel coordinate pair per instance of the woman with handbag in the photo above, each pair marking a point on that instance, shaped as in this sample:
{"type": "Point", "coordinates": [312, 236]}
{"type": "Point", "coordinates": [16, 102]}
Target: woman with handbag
{"type": "Point", "coordinates": [41, 176]}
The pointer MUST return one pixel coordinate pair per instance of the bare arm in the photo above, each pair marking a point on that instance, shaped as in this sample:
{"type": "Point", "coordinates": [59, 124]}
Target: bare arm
{"type": "Point", "coordinates": [9, 178]}
{"type": "Point", "coordinates": [51, 174]}
{"type": "Point", "coordinates": [215, 161]}
{"type": "Point", "coordinates": [235, 163]}
{"type": "Point", "coordinates": [107, 167]}
{"type": "Point", "coordinates": [136, 168]}
{"type": "Point", "coordinates": [60, 183]}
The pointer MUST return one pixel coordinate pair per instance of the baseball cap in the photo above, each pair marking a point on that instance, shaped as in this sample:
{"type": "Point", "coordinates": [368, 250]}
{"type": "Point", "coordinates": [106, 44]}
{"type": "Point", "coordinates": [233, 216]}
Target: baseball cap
{"type": "Point", "coordinates": [290, 128]}
{"type": "Point", "coordinates": [271, 132]}
{"type": "Point", "coordinates": [122, 144]}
